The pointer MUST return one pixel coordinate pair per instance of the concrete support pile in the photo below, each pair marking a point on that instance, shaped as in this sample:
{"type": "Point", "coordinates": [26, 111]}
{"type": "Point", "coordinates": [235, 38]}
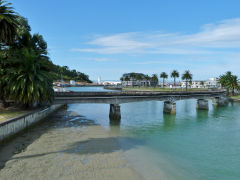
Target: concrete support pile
{"type": "Point", "coordinates": [220, 101]}
{"type": "Point", "coordinates": [202, 104]}
{"type": "Point", "coordinates": [169, 107]}
{"type": "Point", "coordinates": [115, 113]}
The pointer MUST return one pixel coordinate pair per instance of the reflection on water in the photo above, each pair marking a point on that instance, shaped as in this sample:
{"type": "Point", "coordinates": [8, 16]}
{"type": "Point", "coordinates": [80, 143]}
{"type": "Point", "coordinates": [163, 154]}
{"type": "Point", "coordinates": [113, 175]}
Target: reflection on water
{"type": "Point", "coordinates": [169, 121]}
{"type": "Point", "coordinates": [202, 115]}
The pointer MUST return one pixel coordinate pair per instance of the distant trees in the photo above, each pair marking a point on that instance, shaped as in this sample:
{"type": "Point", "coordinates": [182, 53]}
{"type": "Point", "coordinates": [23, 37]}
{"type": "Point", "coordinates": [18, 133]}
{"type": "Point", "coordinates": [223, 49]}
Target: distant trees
{"type": "Point", "coordinates": [155, 79]}
{"type": "Point", "coordinates": [229, 81]}
{"type": "Point", "coordinates": [164, 76]}
{"type": "Point", "coordinates": [139, 77]}
{"type": "Point", "coordinates": [187, 76]}
{"type": "Point", "coordinates": [174, 75]}
{"type": "Point", "coordinates": [64, 73]}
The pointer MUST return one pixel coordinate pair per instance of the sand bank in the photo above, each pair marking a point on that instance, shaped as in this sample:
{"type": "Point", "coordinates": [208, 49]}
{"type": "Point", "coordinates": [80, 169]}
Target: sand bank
{"type": "Point", "coordinates": [67, 147]}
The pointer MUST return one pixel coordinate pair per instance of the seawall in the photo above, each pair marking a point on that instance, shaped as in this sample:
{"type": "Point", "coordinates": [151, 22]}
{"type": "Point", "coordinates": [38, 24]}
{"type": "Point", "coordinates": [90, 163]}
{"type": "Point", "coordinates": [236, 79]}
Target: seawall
{"type": "Point", "coordinates": [15, 125]}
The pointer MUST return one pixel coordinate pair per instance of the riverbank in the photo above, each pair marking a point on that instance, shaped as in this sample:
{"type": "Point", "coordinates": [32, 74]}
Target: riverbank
{"type": "Point", "coordinates": [235, 98]}
{"type": "Point", "coordinates": [13, 126]}
{"type": "Point", "coordinates": [67, 147]}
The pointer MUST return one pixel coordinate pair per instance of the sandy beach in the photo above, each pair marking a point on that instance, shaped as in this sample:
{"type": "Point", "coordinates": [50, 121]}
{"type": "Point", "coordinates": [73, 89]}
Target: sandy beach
{"type": "Point", "coordinates": [70, 147]}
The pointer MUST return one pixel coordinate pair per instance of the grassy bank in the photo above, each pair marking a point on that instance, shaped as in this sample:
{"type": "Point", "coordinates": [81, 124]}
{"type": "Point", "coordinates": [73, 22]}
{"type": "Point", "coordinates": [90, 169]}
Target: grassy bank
{"type": "Point", "coordinates": [158, 89]}
{"type": "Point", "coordinates": [237, 98]}
{"type": "Point", "coordinates": [7, 114]}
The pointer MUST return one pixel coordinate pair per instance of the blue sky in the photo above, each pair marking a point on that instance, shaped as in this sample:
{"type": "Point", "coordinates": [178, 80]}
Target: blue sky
{"type": "Point", "coordinates": [110, 37]}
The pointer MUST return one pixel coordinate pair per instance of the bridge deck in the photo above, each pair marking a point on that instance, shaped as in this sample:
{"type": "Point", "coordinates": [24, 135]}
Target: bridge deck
{"type": "Point", "coordinates": [126, 97]}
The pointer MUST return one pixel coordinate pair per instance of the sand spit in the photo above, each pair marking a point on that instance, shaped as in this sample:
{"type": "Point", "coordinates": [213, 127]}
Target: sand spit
{"type": "Point", "coordinates": [68, 147]}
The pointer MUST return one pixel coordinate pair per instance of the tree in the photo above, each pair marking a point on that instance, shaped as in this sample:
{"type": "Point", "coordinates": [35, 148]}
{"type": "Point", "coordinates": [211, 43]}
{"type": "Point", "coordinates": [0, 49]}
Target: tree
{"type": "Point", "coordinates": [229, 81]}
{"type": "Point", "coordinates": [175, 74]}
{"type": "Point", "coordinates": [28, 72]}
{"type": "Point", "coordinates": [147, 78]}
{"type": "Point", "coordinates": [133, 75]}
{"type": "Point", "coordinates": [8, 23]}
{"type": "Point", "coordinates": [127, 79]}
{"type": "Point", "coordinates": [139, 78]}
{"type": "Point", "coordinates": [155, 79]}
{"type": "Point", "coordinates": [187, 76]}
{"type": "Point", "coordinates": [164, 76]}
{"type": "Point", "coordinates": [28, 78]}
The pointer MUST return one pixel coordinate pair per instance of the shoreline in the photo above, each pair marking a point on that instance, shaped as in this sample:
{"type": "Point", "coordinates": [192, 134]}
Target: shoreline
{"type": "Point", "coordinates": [86, 151]}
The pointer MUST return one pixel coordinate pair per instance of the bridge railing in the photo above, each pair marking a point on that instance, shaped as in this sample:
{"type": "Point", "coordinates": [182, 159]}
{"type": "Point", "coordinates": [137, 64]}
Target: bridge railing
{"type": "Point", "coordinates": [135, 93]}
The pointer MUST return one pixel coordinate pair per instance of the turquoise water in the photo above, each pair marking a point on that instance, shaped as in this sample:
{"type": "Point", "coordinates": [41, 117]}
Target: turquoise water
{"type": "Point", "coordinates": [89, 88]}
{"type": "Point", "coordinates": [191, 145]}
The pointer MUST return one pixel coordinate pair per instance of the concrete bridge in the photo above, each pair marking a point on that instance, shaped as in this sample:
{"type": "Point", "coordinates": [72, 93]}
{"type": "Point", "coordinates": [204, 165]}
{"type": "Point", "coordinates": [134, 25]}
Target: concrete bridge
{"type": "Point", "coordinates": [117, 98]}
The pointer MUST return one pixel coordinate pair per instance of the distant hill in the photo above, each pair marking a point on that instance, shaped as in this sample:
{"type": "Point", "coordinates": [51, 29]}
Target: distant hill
{"type": "Point", "coordinates": [63, 72]}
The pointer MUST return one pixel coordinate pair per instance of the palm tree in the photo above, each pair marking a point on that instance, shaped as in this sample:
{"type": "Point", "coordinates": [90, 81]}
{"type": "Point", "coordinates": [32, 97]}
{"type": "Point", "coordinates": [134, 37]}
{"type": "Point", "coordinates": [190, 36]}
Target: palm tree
{"type": "Point", "coordinates": [155, 79]}
{"type": "Point", "coordinates": [127, 79]}
{"type": "Point", "coordinates": [139, 78]}
{"type": "Point", "coordinates": [35, 42]}
{"type": "Point", "coordinates": [148, 78]}
{"type": "Point", "coordinates": [175, 74]}
{"type": "Point", "coordinates": [187, 76]}
{"type": "Point", "coordinates": [164, 76]}
{"type": "Point", "coordinates": [29, 79]}
{"type": "Point", "coordinates": [8, 23]}
{"type": "Point", "coordinates": [229, 81]}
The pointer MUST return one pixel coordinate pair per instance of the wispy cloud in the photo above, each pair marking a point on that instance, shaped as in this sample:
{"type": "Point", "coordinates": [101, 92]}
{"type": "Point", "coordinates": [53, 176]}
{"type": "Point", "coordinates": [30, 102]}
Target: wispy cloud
{"type": "Point", "coordinates": [98, 59]}
{"type": "Point", "coordinates": [210, 39]}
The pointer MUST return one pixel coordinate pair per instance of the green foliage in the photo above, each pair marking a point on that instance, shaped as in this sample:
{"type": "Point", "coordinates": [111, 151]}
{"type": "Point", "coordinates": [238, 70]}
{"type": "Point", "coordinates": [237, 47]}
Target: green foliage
{"type": "Point", "coordinates": [26, 73]}
{"type": "Point", "coordinates": [229, 81]}
{"type": "Point", "coordinates": [175, 74]}
{"type": "Point", "coordinates": [64, 73]}
{"type": "Point", "coordinates": [187, 76]}
{"type": "Point", "coordinates": [127, 78]}
{"type": "Point", "coordinates": [164, 76]}
{"type": "Point", "coordinates": [155, 78]}
{"type": "Point", "coordinates": [28, 78]}
{"type": "Point", "coordinates": [8, 23]}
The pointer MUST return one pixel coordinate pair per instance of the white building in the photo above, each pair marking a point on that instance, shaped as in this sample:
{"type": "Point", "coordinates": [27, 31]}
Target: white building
{"type": "Point", "coordinates": [210, 83]}
{"type": "Point", "coordinates": [99, 80]}
{"type": "Point", "coordinates": [72, 82]}
{"type": "Point", "coordinates": [111, 83]}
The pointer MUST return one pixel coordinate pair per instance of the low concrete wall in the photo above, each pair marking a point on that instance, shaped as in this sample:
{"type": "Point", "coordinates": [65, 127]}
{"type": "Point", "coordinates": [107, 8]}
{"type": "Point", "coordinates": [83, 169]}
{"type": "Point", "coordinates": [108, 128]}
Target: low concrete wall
{"type": "Point", "coordinates": [15, 125]}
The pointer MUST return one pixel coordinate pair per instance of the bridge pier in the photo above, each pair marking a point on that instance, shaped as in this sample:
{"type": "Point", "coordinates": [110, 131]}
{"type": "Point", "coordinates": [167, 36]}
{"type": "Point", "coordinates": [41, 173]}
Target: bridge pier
{"type": "Point", "coordinates": [169, 107]}
{"type": "Point", "coordinates": [202, 104]}
{"type": "Point", "coordinates": [220, 101]}
{"type": "Point", "coordinates": [115, 113]}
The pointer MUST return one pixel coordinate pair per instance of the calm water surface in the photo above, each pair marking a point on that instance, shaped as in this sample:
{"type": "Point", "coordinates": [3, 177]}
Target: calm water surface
{"type": "Point", "coordinates": [89, 88]}
{"type": "Point", "coordinates": [199, 145]}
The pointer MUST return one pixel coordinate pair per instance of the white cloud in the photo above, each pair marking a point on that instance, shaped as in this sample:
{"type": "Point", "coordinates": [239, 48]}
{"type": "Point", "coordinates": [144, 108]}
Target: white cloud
{"type": "Point", "coordinates": [98, 59]}
{"type": "Point", "coordinates": [212, 38]}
